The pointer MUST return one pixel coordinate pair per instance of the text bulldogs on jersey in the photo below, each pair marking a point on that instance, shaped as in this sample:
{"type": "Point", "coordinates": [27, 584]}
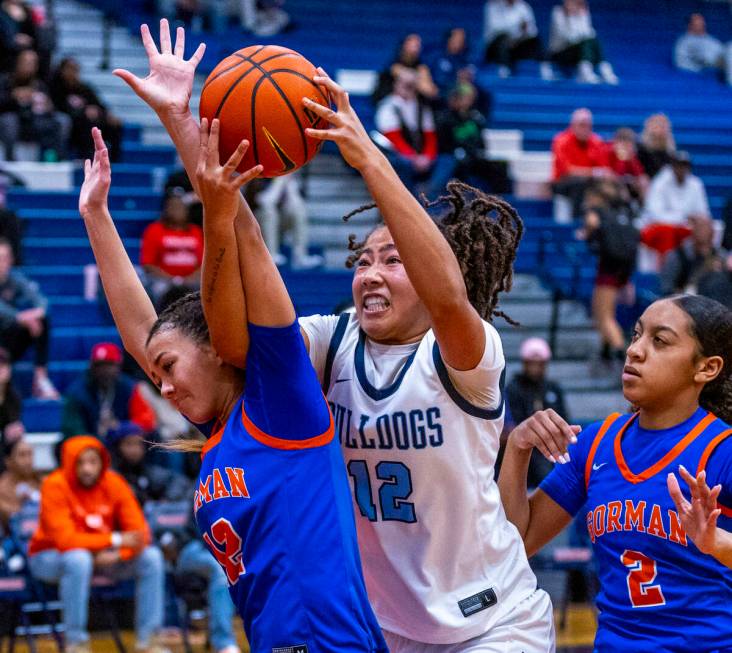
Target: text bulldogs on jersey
{"type": "Point", "coordinates": [221, 486]}
{"type": "Point", "coordinates": [414, 429]}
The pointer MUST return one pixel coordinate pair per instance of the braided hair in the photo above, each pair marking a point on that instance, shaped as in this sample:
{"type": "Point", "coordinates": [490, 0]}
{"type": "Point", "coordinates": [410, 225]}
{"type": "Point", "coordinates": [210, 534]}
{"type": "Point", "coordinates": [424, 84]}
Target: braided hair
{"type": "Point", "coordinates": [186, 315]}
{"type": "Point", "coordinates": [483, 232]}
{"type": "Point", "coordinates": [711, 326]}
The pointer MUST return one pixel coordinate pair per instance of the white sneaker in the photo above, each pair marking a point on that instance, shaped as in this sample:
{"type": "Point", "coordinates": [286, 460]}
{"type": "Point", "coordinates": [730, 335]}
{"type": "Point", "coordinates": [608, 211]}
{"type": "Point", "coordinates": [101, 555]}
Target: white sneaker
{"type": "Point", "coordinates": [43, 388]}
{"type": "Point", "coordinates": [585, 74]}
{"type": "Point", "coordinates": [546, 71]}
{"type": "Point", "coordinates": [504, 72]}
{"type": "Point", "coordinates": [607, 73]}
{"type": "Point", "coordinates": [307, 262]}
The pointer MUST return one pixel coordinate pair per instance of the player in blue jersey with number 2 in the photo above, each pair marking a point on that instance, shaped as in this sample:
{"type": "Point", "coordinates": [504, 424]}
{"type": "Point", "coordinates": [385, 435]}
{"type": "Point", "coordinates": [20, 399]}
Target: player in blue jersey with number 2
{"type": "Point", "coordinates": [273, 502]}
{"type": "Point", "coordinates": [663, 553]}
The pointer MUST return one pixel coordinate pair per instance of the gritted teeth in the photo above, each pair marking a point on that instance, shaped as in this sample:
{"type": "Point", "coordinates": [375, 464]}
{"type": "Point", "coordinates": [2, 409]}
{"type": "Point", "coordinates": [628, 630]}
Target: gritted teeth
{"type": "Point", "coordinates": [375, 303]}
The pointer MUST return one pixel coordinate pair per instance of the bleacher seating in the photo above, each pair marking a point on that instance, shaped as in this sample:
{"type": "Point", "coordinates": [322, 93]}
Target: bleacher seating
{"type": "Point", "coordinates": [56, 249]}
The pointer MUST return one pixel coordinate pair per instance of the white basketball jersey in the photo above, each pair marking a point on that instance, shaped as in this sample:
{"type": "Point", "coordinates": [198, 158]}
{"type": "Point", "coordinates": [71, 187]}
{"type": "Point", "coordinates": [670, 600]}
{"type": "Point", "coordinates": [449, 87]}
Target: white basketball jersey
{"type": "Point", "coordinates": [442, 563]}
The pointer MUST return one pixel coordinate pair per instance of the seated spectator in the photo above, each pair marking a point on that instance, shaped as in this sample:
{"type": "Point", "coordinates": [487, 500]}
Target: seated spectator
{"type": "Point", "coordinates": [103, 397]}
{"type": "Point", "coordinates": [90, 522]}
{"type": "Point", "coordinates": [696, 266]}
{"type": "Point", "coordinates": [11, 405]}
{"type": "Point", "coordinates": [697, 50]}
{"type": "Point", "coordinates": [22, 27]}
{"type": "Point", "coordinates": [573, 42]}
{"type": "Point", "coordinates": [409, 126]}
{"type": "Point", "coordinates": [279, 202]}
{"type": "Point", "coordinates": [263, 17]}
{"type": "Point", "coordinates": [510, 34]}
{"type": "Point", "coordinates": [408, 58]}
{"type": "Point", "coordinates": [451, 61]}
{"type": "Point", "coordinates": [191, 559]}
{"type": "Point", "coordinates": [171, 253]}
{"type": "Point", "coordinates": [612, 236]}
{"type": "Point", "coordinates": [24, 321]}
{"type": "Point", "coordinates": [460, 133]}
{"type": "Point", "coordinates": [579, 156]}
{"type": "Point", "coordinates": [149, 482]}
{"type": "Point", "coordinates": [674, 197]}
{"type": "Point", "coordinates": [19, 483]}
{"type": "Point", "coordinates": [195, 14]}
{"type": "Point", "coordinates": [657, 144]}
{"type": "Point", "coordinates": [79, 101]}
{"type": "Point", "coordinates": [530, 391]}
{"type": "Point", "coordinates": [27, 112]}
{"type": "Point", "coordinates": [179, 184]}
{"type": "Point", "coordinates": [622, 159]}
{"type": "Point", "coordinates": [11, 227]}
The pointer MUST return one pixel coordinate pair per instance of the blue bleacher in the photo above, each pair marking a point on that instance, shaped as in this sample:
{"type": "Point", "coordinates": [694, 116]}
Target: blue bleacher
{"type": "Point", "coordinates": [637, 37]}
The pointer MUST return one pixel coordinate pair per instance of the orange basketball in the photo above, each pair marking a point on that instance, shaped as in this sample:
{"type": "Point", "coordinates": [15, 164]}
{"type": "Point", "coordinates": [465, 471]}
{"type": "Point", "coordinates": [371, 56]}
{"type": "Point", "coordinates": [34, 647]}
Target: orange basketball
{"type": "Point", "coordinates": [256, 93]}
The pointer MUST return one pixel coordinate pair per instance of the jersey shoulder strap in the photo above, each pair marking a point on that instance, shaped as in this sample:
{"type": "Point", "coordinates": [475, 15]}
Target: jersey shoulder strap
{"type": "Point", "coordinates": [609, 421]}
{"type": "Point", "coordinates": [335, 343]}
{"type": "Point", "coordinates": [708, 451]}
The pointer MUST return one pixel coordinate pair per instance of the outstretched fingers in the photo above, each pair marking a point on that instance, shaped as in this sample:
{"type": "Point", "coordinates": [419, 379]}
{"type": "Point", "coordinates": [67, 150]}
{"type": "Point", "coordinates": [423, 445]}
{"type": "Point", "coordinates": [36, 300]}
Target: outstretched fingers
{"type": "Point", "coordinates": [337, 92]}
{"type": "Point", "coordinates": [180, 42]}
{"type": "Point", "coordinates": [148, 42]}
{"type": "Point", "coordinates": [165, 43]}
{"type": "Point", "coordinates": [246, 176]}
{"type": "Point", "coordinates": [198, 54]}
{"type": "Point", "coordinates": [324, 112]}
{"type": "Point", "coordinates": [682, 505]}
{"type": "Point", "coordinates": [236, 157]}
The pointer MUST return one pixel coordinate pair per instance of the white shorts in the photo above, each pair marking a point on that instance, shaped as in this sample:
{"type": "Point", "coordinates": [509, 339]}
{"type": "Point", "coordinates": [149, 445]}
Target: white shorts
{"type": "Point", "coordinates": [528, 628]}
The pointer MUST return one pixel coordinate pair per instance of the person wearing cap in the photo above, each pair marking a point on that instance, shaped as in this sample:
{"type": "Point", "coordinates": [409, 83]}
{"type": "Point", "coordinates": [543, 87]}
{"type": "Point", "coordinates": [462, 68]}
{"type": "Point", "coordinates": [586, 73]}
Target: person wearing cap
{"type": "Point", "coordinates": [24, 320]}
{"type": "Point", "coordinates": [90, 522]}
{"type": "Point", "coordinates": [126, 443]}
{"type": "Point", "coordinates": [530, 391]}
{"type": "Point", "coordinates": [103, 397]}
{"type": "Point", "coordinates": [674, 197]}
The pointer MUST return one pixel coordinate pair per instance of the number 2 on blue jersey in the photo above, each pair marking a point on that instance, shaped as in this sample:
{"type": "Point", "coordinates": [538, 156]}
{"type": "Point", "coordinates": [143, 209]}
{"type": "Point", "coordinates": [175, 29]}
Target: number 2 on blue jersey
{"type": "Point", "coordinates": [397, 487]}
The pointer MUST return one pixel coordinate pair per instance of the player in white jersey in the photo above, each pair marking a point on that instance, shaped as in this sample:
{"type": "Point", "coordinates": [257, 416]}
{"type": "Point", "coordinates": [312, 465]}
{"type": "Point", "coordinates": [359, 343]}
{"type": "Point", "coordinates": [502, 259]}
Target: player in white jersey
{"type": "Point", "coordinates": [415, 381]}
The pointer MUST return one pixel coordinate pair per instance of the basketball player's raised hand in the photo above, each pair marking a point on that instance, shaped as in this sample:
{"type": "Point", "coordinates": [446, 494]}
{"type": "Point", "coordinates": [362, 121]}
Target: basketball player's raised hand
{"type": "Point", "coordinates": [169, 84]}
{"type": "Point", "coordinates": [217, 187]}
{"type": "Point", "coordinates": [346, 129]}
{"type": "Point", "coordinates": [546, 431]}
{"type": "Point", "coordinates": [698, 516]}
{"type": "Point", "coordinates": [97, 179]}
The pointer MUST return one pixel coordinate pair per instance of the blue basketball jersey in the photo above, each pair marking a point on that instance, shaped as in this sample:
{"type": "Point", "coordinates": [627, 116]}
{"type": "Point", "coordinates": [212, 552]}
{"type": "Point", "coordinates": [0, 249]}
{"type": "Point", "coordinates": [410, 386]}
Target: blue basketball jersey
{"type": "Point", "coordinates": [658, 592]}
{"type": "Point", "coordinates": [275, 511]}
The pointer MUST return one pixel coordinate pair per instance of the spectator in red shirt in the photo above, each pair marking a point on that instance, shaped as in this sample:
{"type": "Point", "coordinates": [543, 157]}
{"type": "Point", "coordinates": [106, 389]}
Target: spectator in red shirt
{"type": "Point", "coordinates": [171, 253]}
{"type": "Point", "coordinates": [579, 155]}
{"type": "Point", "coordinates": [408, 126]}
{"type": "Point", "coordinates": [622, 159]}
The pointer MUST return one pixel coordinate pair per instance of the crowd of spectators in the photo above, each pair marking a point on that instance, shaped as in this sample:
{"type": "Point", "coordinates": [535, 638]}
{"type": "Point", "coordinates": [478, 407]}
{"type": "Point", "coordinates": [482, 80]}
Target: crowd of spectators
{"type": "Point", "coordinates": [49, 106]}
{"type": "Point", "coordinates": [637, 200]}
{"type": "Point", "coordinates": [259, 17]}
{"type": "Point", "coordinates": [510, 34]}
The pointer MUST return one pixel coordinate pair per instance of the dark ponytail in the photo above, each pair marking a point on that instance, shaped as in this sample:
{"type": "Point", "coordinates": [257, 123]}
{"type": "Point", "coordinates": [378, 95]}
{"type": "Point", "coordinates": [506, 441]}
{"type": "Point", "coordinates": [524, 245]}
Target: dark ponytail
{"type": "Point", "coordinates": [711, 326]}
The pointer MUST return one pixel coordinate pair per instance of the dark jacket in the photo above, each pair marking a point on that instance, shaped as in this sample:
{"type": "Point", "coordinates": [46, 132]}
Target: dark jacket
{"type": "Point", "coordinates": [83, 403]}
{"type": "Point", "coordinates": [525, 397]}
{"type": "Point", "coordinates": [151, 482]}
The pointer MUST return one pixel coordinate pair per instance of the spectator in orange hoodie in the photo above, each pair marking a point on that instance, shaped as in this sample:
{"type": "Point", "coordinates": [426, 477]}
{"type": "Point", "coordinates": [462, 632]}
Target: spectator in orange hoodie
{"type": "Point", "coordinates": [90, 522]}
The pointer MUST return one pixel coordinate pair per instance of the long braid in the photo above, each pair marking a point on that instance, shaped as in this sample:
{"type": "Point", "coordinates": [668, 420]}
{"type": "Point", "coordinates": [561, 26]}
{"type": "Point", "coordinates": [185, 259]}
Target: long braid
{"type": "Point", "coordinates": [483, 232]}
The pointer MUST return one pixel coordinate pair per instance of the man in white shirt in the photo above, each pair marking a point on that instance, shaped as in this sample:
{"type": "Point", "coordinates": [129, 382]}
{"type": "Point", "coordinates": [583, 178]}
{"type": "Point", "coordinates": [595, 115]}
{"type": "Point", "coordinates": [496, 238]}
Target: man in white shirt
{"type": "Point", "coordinates": [697, 49]}
{"type": "Point", "coordinates": [510, 34]}
{"type": "Point", "coordinates": [674, 200]}
{"type": "Point", "coordinates": [675, 194]}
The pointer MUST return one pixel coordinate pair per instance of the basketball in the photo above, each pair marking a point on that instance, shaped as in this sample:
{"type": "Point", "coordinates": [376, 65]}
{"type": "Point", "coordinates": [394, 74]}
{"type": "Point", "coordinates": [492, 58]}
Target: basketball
{"type": "Point", "coordinates": [256, 93]}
